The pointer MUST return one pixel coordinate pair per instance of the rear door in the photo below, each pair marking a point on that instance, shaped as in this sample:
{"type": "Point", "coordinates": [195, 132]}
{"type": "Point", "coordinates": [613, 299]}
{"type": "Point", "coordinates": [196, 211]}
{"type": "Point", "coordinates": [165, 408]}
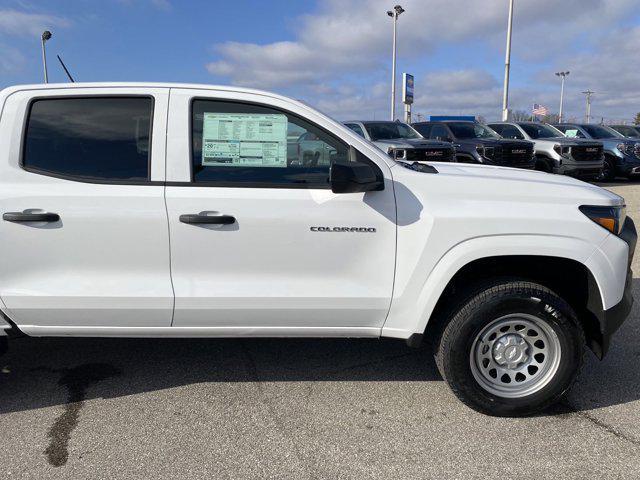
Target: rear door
{"type": "Point", "coordinates": [290, 257]}
{"type": "Point", "coordinates": [84, 236]}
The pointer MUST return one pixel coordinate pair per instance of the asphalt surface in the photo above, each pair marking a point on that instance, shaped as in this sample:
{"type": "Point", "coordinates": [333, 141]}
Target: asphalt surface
{"type": "Point", "coordinates": [137, 408]}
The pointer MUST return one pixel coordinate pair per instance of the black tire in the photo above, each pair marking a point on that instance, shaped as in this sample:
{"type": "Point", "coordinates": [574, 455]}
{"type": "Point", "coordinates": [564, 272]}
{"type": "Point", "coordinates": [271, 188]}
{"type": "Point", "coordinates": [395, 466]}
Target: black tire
{"type": "Point", "coordinates": [492, 301]}
{"type": "Point", "coordinates": [543, 165]}
{"type": "Point", "coordinates": [608, 173]}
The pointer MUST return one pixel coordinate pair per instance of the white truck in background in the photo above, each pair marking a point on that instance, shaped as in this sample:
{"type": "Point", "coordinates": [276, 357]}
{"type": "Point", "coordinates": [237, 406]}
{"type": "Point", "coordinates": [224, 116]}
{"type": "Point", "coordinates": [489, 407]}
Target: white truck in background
{"type": "Point", "coordinates": [164, 210]}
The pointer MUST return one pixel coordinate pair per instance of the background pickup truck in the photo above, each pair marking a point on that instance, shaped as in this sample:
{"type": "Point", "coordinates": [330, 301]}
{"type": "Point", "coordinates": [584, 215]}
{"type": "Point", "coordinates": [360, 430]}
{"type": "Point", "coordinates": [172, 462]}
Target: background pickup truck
{"type": "Point", "coordinates": [477, 143]}
{"type": "Point", "coordinates": [555, 153]}
{"type": "Point", "coordinates": [621, 154]}
{"type": "Point", "coordinates": [402, 142]}
{"type": "Point", "coordinates": [164, 210]}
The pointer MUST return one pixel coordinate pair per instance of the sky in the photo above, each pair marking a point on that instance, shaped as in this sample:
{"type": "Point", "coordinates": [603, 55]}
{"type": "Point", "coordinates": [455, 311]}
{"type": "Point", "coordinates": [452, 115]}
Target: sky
{"type": "Point", "coordinates": [336, 54]}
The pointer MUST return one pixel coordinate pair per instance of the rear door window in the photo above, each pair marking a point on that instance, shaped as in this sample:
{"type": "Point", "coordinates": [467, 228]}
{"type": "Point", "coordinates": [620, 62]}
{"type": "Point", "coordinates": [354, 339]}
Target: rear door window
{"type": "Point", "coordinates": [97, 138]}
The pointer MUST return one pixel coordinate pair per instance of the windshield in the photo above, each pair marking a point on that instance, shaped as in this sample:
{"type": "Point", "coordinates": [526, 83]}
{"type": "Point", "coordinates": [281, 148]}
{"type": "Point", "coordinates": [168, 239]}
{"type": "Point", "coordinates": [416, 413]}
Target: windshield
{"type": "Point", "coordinates": [390, 130]}
{"type": "Point", "coordinates": [600, 131]}
{"type": "Point", "coordinates": [471, 130]}
{"type": "Point", "coordinates": [540, 130]}
{"type": "Point", "coordinates": [627, 131]}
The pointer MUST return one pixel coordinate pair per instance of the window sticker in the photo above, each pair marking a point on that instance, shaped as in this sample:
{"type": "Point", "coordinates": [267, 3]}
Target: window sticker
{"type": "Point", "coordinates": [571, 133]}
{"type": "Point", "coordinates": [244, 140]}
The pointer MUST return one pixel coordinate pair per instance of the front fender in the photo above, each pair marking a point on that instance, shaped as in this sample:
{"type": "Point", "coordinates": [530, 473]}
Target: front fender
{"type": "Point", "coordinates": [412, 307]}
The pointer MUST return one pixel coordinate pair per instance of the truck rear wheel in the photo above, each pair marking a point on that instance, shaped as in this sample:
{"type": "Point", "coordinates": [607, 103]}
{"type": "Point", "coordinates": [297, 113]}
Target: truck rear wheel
{"type": "Point", "coordinates": [512, 349]}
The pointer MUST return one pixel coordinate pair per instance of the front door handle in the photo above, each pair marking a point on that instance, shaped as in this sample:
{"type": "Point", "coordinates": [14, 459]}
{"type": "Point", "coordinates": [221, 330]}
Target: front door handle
{"type": "Point", "coordinates": [30, 217]}
{"type": "Point", "coordinates": [196, 218]}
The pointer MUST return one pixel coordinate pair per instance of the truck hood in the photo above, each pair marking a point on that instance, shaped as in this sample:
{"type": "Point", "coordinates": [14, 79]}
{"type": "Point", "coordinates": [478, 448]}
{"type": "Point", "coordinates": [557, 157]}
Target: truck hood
{"type": "Point", "coordinates": [511, 184]}
{"type": "Point", "coordinates": [410, 143]}
{"type": "Point", "coordinates": [492, 142]}
{"type": "Point", "coordinates": [568, 142]}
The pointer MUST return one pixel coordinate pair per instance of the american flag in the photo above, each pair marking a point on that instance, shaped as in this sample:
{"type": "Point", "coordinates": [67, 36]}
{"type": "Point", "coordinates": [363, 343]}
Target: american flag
{"type": "Point", "coordinates": [539, 109]}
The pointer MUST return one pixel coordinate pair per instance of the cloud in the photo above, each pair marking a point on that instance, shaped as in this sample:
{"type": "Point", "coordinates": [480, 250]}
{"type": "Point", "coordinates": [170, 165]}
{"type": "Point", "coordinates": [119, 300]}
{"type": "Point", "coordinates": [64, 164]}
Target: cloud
{"type": "Point", "coordinates": [11, 59]}
{"type": "Point", "coordinates": [347, 43]}
{"type": "Point", "coordinates": [14, 22]}
{"type": "Point", "coordinates": [162, 4]}
{"type": "Point", "coordinates": [609, 69]}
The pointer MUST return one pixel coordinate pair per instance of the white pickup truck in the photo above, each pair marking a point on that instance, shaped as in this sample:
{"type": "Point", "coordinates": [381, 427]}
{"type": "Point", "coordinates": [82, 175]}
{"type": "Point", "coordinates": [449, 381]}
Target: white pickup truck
{"type": "Point", "coordinates": [164, 210]}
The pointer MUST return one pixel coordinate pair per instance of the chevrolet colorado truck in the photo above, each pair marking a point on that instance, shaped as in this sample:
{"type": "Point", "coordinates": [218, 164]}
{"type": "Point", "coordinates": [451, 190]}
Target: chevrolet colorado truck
{"type": "Point", "coordinates": [402, 142]}
{"type": "Point", "coordinates": [477, 143]}
{"type": "Point", "coordinates": [555, 153]}
{"type": "Point", "coordinates": [168, 210]}
{"type": "Point", "coordinates": [621, 154]}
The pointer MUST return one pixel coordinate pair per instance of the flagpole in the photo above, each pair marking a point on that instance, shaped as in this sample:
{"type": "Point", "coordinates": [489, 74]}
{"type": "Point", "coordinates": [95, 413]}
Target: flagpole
{"type": "Point", "coordinates": [507, 65]}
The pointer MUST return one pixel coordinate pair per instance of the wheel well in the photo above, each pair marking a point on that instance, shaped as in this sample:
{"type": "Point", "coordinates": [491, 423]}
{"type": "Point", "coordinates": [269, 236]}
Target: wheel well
{"type": "Point", "coordinates": [569, 279]}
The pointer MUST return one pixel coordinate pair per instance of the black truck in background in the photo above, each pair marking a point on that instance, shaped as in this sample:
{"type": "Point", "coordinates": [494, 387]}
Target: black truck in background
{"type": "Point", "coordinates": [477, 143]}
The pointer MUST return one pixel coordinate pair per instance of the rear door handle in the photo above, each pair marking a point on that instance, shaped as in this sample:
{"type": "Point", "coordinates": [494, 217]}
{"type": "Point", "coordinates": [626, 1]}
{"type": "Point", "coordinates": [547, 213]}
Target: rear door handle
{"type": "Point", "coordinates": [30, 217]}
{"type": "Point", "coordinates": [196, 218]}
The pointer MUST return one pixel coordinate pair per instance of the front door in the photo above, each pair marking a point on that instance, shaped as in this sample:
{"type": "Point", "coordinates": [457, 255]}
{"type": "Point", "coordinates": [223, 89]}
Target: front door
{"type": "Point", "coordinates": [286, 255]}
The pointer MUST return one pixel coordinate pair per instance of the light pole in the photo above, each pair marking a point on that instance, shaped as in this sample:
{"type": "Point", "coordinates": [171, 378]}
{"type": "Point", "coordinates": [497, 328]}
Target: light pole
{"type": "Point", "coordinates": [562, 76]}
{"type": "Point", "coordinates": [507, 62]}
{"type": "Point", "coordinates": [397, 10]}
{"type": "Point", "coordinates": [46, 35]}
{"type": "Point", "coordinates": [588, 93]}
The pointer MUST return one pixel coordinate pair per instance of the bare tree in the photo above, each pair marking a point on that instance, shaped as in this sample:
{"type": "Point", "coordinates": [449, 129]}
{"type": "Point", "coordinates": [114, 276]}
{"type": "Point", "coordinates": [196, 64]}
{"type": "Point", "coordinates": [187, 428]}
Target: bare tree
{"type": "Point", "coordinates": [520, 116]}
{"type": "Point", "coordinates": [551, 118]}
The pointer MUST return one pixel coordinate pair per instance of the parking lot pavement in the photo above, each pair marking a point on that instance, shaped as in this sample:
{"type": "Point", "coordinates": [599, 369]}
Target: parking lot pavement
{"type": "Point", "coordinates": [138, 408]}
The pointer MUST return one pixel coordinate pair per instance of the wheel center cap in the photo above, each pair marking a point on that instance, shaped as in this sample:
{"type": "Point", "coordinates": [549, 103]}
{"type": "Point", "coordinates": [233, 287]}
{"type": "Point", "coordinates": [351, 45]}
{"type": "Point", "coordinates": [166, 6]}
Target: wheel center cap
{"type": "Point", "coordinates": [510, 351]}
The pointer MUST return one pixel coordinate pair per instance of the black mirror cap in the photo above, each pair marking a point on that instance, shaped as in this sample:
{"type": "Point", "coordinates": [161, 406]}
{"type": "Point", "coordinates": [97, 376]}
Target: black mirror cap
{"type": "Point", "coordinates": [354, 177]}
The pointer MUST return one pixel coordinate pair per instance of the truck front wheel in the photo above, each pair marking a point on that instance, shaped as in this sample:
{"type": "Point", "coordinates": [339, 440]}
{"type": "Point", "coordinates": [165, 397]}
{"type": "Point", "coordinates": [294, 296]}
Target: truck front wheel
{"type": "Point", "coordinates": [608, 173]}
{"type": "Point", "coordinates": [512, 349]}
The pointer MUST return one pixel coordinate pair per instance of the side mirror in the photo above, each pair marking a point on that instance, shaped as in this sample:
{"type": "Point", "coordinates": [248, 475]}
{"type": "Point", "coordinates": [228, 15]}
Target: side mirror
{"type": "Point", "coordinates": [354, 177]}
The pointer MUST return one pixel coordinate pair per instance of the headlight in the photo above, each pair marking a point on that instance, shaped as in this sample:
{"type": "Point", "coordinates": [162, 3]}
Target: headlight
{"type": "Point", "coordinates": [486, 152]}
{"type": "Point", "coordinates": [562, 151]}
{"type": "Point", "coordinates": [611, 218]}
{"type": "Point", "coordinates": [397, 152]}
{"type": "Point", "coordinates": [622, 147]}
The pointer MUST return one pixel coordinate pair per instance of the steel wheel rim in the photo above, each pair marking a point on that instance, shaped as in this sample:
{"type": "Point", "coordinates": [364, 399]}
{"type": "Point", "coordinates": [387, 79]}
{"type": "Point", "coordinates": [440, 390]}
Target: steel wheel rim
{"type": "Point", "coordinates": [515, 355]}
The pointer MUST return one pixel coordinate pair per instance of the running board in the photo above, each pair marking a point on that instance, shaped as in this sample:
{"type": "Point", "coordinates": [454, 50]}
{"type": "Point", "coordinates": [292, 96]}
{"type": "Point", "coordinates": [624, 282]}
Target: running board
{"type": "Point", "coordinates": [190, 332]}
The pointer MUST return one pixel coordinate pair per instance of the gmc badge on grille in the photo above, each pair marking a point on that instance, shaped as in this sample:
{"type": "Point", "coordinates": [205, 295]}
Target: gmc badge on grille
{"type": "Point", "coordinates": [433, 154]}
{"type": "Point", "coordinates": [522, 150]}
{"type": "Point", "coordinates": [591, 150]}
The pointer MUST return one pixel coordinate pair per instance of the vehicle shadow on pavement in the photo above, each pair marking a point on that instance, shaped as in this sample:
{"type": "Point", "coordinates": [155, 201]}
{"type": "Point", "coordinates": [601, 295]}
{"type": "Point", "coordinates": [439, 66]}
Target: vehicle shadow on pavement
{"type": "Point", "coordinates": [44, 372]}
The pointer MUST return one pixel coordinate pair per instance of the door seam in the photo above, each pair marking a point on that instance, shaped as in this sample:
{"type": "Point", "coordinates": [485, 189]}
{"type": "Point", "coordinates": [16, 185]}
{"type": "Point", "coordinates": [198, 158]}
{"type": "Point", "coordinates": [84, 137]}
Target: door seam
{"type": "Point", "coordinates": [166, 207]}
